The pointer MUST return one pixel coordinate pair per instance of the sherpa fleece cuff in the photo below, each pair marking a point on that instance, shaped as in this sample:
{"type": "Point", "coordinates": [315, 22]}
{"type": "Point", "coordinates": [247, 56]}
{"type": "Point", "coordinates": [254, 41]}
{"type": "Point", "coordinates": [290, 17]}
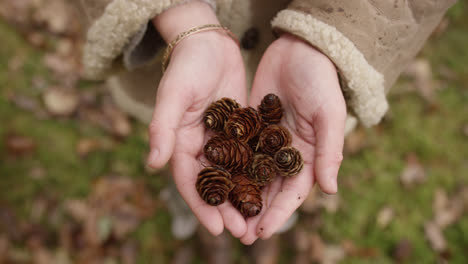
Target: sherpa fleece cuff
{"type": "Point", "coordinates": [364, 86]}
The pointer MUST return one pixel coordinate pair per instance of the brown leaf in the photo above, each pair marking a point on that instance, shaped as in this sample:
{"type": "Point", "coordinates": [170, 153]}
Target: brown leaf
{"type": "Point", "coordinates": [16, 63]}
{"type": "Point", "coordinates": [18, 145]}
{"type": "Point", "coordinates": [435, 237]}
{"type": "Point", "coordinates": [318, 199]}
{"type": "Point", "coordinates": [119, 120]}
{"type": "Point", "coordinates": [86, 146]}
{"type": "Point", "coordinates": [333, 254]}
{"type": "Point", "coordinates": [129, 253]}
{"type": "Point", "coordinates": [55, 15]}
{"type": "Point", "coordinates": [420, 71]}
{"type": "Point", "coordinates": [385, 216]}
{"type": "Point", "coordinates": [351, 249]}
{"type": "Point", "coordinates": [403, 250]}
{"type": "Point", "coordinates": [446, 212]}
{"type": "Point", "coordinates": [413, 173]}
{"type": "Point", "coordinates": [318, 249]}
{"type": "Point", "coordinates": [265, 251]}
{"type": "Point", "coordinates": [355, 141]}
{"type": "Point", "coordinates": [465, 130]}
{"type": "Point", "coordinates": [60, 102]}
{"type": "Point", "coordinates": [301, 239]}
{"type": "Point", "coordinates": [37, 173]}
{"type": "Point", "coordinates": [4, 248]}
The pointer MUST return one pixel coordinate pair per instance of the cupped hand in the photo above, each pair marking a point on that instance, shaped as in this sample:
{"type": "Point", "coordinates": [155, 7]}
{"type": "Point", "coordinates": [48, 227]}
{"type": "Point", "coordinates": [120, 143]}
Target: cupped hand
{"type": "Point", "coordinates": [314, 112]}
{"type": "Point", "coordinates": [203, 68]}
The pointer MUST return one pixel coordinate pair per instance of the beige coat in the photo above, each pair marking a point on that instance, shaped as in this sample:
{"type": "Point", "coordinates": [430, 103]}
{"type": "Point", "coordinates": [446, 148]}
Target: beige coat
{"type": "Point", "coordinates": [370, 42]}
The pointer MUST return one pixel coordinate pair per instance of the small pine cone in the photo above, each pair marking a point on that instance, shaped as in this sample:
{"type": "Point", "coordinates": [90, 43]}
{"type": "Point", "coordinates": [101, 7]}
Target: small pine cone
{"type": "Point", "coordinates": [246, 195]}
{"type": "Point", "coordinates": [218, 113]}
{"type": "Point", "coordinates": [253, 142]}
{"type": "Point", "coordinates": [263, 169]}
{"type": "Point", "coordinates": [270, 109]}
{"type": "Point", "coordinates": [243, 124]}
{"type": "Point", "coordinates": [228, 153]}
{"type": "Point", "coordinates": [289, 161]}
{"type": "Point", "coordinates": [213, 185]}
{"type": "Point", "coordinates": [273, 138]}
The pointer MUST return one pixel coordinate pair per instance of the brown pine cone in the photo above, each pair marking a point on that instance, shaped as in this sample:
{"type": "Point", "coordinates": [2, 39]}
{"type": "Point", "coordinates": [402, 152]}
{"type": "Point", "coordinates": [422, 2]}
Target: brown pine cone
{"type": "Point", "coordinates": [246, 195]}
{"type": "Point", "coordinates": [273, 138]}
{"type": "Point", "coordinates": [230, 154]}
{"type": "Point", "coordinates": [243, 124]}
{"type": "Point", "coordinates": [270, 109]}
{"type": "Point", "coordinates": [263, 169]}
{"type": "Point", "coordinates": [213, 185]}
{"type": "Point", "coordinates": [218, 113]}
{"type": "Point", "coordinates": [289, 161]}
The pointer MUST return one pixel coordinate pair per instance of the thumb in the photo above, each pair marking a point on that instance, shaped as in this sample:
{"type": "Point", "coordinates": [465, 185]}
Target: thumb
{"type": "Point", "coordinates": [169, 110]}
{"type": "Point", "coordinates": [329, 127]}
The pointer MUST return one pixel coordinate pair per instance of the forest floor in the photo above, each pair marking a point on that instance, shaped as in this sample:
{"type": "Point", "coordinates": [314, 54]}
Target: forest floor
{"type": "Point", "coordinates": [74, 187]}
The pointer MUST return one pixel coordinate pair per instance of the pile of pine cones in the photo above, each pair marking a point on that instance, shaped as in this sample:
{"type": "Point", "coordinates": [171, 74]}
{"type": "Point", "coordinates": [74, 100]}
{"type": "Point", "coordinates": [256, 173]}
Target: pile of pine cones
{"type": "Point", "coordinates": [248, 151]}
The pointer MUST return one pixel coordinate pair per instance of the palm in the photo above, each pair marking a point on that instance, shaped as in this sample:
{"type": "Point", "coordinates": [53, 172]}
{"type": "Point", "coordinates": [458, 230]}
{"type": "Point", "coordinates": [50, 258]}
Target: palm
{"type": "Point", "coordinates": [197, 76]}
{"type": "Point", "coordinates": [308, 87]}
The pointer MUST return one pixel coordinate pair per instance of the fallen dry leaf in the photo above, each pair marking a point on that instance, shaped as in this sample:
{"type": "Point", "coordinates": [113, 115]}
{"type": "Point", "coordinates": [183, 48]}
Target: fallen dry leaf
{"type": "Point", "coordinates": [129, 253]}
{"type": "Point", "coordinates": [352, 250]}
{"type": "Point", "coordinates": [465, 130]}
{"type": "Point", "coordinates": [413, 173]}
{"type": "Point", "coordinates": [446, 211]}
{"type": "Point", "coordinates": [120, 122]}
{"type": "Point", "coordinates": [333, 254]}
{"type": "Point", "coordinates": [385, 217]}
{"type": "Point", "coordinates": [355, 141]}
{"type": "Point", "coordinates": [60, 102]}
{"type": "Point", "coordinates": [215, 249]}
{"type": "Point", "coordinates": [318, 250]}
{"type": "Point", "coordinates": [435, 237]}
{"type": "Point", "coordinates": [37, 173]}
{"type": "Point", "coordinates": [425, 85]}
{"type": "Point", "coordinates": [19, 145]}
{"type": "Point", "coordinates": [4, 248]}
{"type": "Point", "coordinates": [86, 146]}
{"type": "Point", "coordinates": [55, 15]}
{"type": "Point", "coordinates": [16, 63]}
{"type": "Point", "coordinates": [403, 250]}
{"type": "Point", "coordinates": [301, 239]}
{"type": "Point", "coordinates": [318, 199]}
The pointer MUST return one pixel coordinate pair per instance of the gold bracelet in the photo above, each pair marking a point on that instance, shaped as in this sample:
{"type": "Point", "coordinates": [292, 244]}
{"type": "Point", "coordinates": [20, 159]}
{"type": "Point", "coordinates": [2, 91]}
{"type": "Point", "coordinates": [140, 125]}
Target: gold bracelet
{"type": "Point", "coordinates": [183, 35]}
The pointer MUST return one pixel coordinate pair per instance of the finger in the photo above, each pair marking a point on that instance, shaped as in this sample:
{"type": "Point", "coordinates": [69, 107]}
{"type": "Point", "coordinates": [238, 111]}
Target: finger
{"type": "Point", "coordinates": [291, 195]}
{"type": "Point", "coordinates": [185, 168]}
{"type": "Point", "coordinates": [329, 129]}
{"type": "Point", "coordinates": [171, 105]}
{"type": "Point", "coordinates": [267, 196]}
{"type": "Point", "coordinates": [233, 220]}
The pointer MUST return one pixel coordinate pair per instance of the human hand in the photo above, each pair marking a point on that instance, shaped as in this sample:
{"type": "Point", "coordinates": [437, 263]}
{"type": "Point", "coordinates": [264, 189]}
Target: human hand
{"type": "Point", "coordinates": [314, 112]}
{"type": "Point", "coordinates": [203, 68]}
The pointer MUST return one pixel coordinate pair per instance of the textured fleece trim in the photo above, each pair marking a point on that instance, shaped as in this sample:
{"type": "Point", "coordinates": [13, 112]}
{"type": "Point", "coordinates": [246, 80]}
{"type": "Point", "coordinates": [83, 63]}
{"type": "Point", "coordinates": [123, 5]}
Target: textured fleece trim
{"type": "Point", "coordinates": [365, 86]}
{"type": "Point", "coordinates": [110, 33]}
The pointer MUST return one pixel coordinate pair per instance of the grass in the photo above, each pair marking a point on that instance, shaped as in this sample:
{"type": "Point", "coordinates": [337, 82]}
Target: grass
{"type": "Point", "coordinates": [369, 180]}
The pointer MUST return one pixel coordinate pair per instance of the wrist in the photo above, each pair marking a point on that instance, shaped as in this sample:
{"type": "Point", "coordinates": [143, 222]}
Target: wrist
{"type": "Point", "coordinates": [178, 19]}
{"type": "Point", "coordinates": [294, 44]}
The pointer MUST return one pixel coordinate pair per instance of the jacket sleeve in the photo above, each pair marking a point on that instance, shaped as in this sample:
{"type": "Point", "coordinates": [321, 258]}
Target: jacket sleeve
{"type": "Point", "coordinates": [370, 42]}
{"type": "Point", "coordinates": [121, 29]}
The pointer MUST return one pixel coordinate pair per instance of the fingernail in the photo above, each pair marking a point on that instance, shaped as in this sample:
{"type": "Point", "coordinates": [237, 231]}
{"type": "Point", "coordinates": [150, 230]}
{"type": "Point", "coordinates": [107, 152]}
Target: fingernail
{"type": "Point", "coordinates": [331, 178]}
{"type": "Point", "coordinates": [153, 157]}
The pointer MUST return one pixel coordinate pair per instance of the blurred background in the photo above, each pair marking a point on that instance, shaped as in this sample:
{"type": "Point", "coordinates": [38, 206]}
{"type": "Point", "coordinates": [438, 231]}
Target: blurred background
{"type": "Point", "coordinates": [74, 187]}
